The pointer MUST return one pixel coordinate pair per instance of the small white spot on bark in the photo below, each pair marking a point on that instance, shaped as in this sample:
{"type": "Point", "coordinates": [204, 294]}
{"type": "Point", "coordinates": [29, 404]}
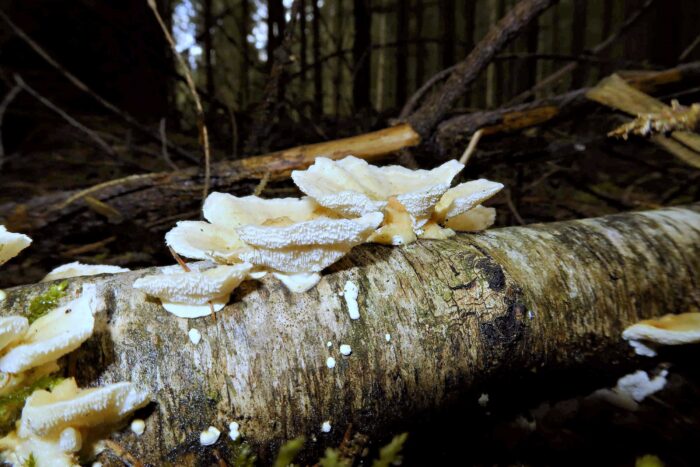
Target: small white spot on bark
{"type": "Point", "coordinates": [483, 400]}
{"type": "Point", "coordinates": [97, 464]}
{"type": "Point", "coordinates": [330, 362]}
{"type": "Point", "coordinates": [329, 344]}
{"type": "Point", "coordinates": [326, 427]}
{"type": "Point", "coordinates": [345, 349]}
{"type": "Point", "coordinates": [387, 337]}
{"type": "Point", "coordinates": [195, 336]}
{"type": "Point", "coordinates": [234, 434]}
{"type": "Point", "coordinates": [3, 295]}
{"type": "Point", "coordinates": [350, 292]}
{"type": "Point", "coordinates": [209, 436]}
{"type": "Point", "coordinates": [138, 426]}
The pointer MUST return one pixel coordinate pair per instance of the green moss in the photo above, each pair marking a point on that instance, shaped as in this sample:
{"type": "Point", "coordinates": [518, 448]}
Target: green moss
{"type": "Point", "coordinates": [30, 462]}
{"type": "Point", "coordinates": [332, 458]}
{"type": "Point", "coordinates": [288, 451]}
{"type": "Point", "coordinates": [47, 301]}
{"type": "Point", "coordinates": [242, 454]}
{"type": "Point", "coordinates": [11, 404]}
{"type": "Point", "coordinates": [391, 453]}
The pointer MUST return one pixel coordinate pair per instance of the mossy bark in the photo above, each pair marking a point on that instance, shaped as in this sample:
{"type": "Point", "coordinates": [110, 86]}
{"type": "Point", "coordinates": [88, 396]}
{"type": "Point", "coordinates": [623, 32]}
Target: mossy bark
{"type": "Point", "coordinates": [459, 312]}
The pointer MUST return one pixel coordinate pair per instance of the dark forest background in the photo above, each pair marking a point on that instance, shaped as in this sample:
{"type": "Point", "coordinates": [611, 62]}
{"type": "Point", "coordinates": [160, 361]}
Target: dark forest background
{"type": "Point", "coordinates": [274, 74]}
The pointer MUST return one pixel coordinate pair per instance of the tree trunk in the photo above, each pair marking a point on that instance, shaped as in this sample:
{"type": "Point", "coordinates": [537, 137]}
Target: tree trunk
{"type": "Point", "coordinates": [459, 313]}
{"type": "Point", "coordinates": [401, 72]}
{"type": "Point", "coordinates": [447, 18]}
{"type": "Point", "coordinates": [207, 14]}
{"type": "Point", "coordinates": [578, 40]}
{"type": "Point", "coordinates": [275, 29]}
{"type": "Point", "coordinates": [245, 50]}
{"type": "Point", "coordinates": [362, 54]}
{"type": "Point", "coordinates": [318, 66]}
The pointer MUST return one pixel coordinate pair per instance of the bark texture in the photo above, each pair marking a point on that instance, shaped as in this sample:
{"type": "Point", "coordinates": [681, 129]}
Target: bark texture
{"type": "Point", "coordinates": [460, 313]}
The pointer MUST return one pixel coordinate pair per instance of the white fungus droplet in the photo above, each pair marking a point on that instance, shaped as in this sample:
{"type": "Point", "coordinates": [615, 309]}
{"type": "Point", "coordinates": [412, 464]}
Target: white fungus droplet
{"type": "Point", "coordinates": [350, 292]}
{"type": "Point", "coordinates": [387, 337]}
{"type": "Point", "coordinates": [329, 344]}
{"type": "Point", "coordinates": [209, 436]}
{"type": "Point", "coordinates": [138, 426]}
{"type": "Point", "coordinates": [97, 464]}
{"type": "Point", "coordinates": [345, 349]}
{"type": "Point", "coordinates": [326, 427]}
{"type": "Point", "coordinates": [195, 336]}
{"type": "Point", "coordinates": [330, 362]}
{"type": "Point", "coordinates": [234, 434]}
{"type": "Point", "coordinates": [483, 399]}
{"type": "Point", "coordinates": [3, 295]}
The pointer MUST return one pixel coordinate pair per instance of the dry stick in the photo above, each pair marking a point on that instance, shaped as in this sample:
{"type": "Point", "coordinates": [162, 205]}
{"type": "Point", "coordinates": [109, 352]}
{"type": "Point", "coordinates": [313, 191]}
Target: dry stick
{"type": "Point", "coordinates": [107, 184]}
{"type": "Point", "coordinates": [566, 69]}
{"type": "Point", "coordinates": [123, 455]}
{"type": "Point", "coordinates": [93, 136]}
{"type": "Point", "coordinates": [83, 87]}
{"type": "Point", "coordinates": [234, 132]}
{"type": "Point", "coordinates": [688, 50]}
{"type": "Point", "coordinates": [164, 147]}
{"type": "Point", "coordinates": [418, 95]}
{"type": "Point", "coordinates": [203, 133]}
{"type": "Point", "coordinates": [434, 108]}
{"type": "Point", "coordinates": [9, 97]}
{"type": "Point", "coordinates": [471, 148]}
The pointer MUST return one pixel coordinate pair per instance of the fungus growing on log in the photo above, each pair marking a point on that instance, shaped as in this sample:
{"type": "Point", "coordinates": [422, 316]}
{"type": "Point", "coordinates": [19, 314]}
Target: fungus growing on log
{"type": "Point", "coordinates": [294, 238]}
{"type": "Point", "coordinates": [57, 425]}
{"type": "Point", "coordinates": [683, 328]}
{"type": "Point", "coordinates": [53, 335]}
{"type": "Point", "coordinates": [11, 244]}
{"type": "Point", "coordinates": [77, 269]}
{"type": "Point", "coordinates": [194, 293]}
{"type": "Point", "coordinates": [414, 201]}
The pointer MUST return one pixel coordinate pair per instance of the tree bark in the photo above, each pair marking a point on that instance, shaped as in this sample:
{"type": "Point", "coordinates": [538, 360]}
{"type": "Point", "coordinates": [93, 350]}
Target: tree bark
{"type": "Point", "coordinates": [401, 72]}
{"type": "Point", "coordinates": [460, 313]}
{"type": "Point", "coordinates": [318, 66]}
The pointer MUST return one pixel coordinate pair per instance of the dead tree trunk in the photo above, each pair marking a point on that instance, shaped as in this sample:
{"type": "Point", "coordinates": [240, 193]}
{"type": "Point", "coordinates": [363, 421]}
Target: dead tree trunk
{"type": "Point", "coordinates": [459, 313]}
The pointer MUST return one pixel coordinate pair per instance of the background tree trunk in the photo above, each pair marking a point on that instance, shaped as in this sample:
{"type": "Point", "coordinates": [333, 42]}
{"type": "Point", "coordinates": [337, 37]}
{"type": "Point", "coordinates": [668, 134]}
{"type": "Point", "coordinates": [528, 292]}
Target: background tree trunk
{"type": "Point", "coordinates": [362, 54]}
{"type": "Point", "coordinates": [460, 313]}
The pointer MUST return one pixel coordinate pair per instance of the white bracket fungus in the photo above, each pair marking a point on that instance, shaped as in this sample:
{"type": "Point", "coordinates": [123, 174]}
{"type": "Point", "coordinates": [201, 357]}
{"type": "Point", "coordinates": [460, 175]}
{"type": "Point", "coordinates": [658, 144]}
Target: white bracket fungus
{"type": "Point", "coordinates": [683, 328]}
{"type": "Point", "coordinates": [53, 335]}
{"type": "Point", "coordinates": [414, 202]}
{"type": "Point", "coordinates": [11, 244]}
{"type": "Point", "coordinates": [52, 422]}
{"type": "Point", "coordinates": [187, 294]}
{"type": "Point", "coordinates": [209, 436]}
{"type": "Point", "coordinates": [345, 349]}
{"type": "Point", "coordinates": [77, 269]}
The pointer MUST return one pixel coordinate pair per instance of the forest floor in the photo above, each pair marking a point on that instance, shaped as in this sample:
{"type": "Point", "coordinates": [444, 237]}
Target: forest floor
{"type": "Point", "coordinates": [563, 171]}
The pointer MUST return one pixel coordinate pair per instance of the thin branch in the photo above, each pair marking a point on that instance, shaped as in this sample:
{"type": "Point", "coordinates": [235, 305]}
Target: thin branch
{"type": "Point", "coordinates": [436, 106]}
{"type": "Point", "coordinates": [9, 97]}
{"type": "Point", "coordinates": [471, 148]}
{"type": "Point", "coordinates": [164, 146]}
{"type": "Point", "coordinates": [73, 122]}
{"type": "Point", "coordinates": [420, 93]}
{"type": "Point", "coordinates": [688, 50]}
{"type": "Point", "coordinates": [566, 69]}
{"type": "Point", "coordinates": [83, 87]}
{"type": "Point", "coordinates": [203, 133]}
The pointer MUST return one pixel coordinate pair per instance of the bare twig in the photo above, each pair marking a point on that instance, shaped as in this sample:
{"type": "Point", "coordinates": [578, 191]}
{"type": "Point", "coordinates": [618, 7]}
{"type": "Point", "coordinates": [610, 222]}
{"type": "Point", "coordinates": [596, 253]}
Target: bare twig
{"type": "Point", "coordinates": [513, 209]}
{"type": "Point", "coordinates": [418, 95]}
{"type": "Point", "coordinates": [688, 50]}
{"type": "Point", "coordinates": [203, 133]}
{"type": "Point", "coordinates": [566, 69]}
{"type": "Point", "coordinates": [434, 108]}
{"type": "Point", "coordinates": [164, 146]}
{"type": "Point", "coordinates": [471, 148]}
{"type": "Point", "coordinates": [179, 260]}
{"type": "Point", "coordinates": [9, 97]}
{"type": "Point", "coordinates": [83, 87]}
{"type": "Point", "coordinates": [262, 185]}
{"type": "Point", "coordinates": [107, 184]}
{"type": "Point", "coordinates": [73, 122]}
{"type": "Point", "coordinates": [234, 132]}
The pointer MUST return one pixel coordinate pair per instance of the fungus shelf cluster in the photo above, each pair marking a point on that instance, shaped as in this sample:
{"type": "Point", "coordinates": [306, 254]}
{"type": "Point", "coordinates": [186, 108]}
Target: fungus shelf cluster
{"type": "Point", "coordinates": [348, 202]}
{"type": "Point", "coordinates": [56, 427]}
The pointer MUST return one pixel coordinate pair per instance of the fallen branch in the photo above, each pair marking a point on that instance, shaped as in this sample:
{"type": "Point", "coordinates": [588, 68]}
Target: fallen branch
{"type": "Point", "coordinates": [460, 314]}
{"type": "Point", "coordinates": [436, 106]}
{"type": "Point", "coordinates": [6, 101]}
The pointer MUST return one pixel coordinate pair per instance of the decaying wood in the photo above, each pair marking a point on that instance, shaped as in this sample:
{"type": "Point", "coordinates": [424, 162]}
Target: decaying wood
{"type": "Point", "coordinates": [460, 313]}
{"type": "Point", "coordinates": [614, 92]}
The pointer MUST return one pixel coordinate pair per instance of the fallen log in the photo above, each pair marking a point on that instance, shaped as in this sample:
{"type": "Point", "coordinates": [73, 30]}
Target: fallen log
{"type": "Point", "coordinates": [458, 314]}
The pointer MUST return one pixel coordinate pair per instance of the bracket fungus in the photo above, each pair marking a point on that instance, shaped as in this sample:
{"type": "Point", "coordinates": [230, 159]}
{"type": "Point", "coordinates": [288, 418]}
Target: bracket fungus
{"type": "Point", "coordinates": [294, 238]}
{"type": "Point", "coordinates": [11, 244]}
{"type": "Point", "coordinates": [78, 269]}
{"type": "Point", "coordinates": [673, 329]}
{"type": "Point", "coordinates": [414, 202]}
{"type": "Point", "coordinates": [188, 294]}
{"type": "Point", "coordinates": [55, 425]}
{"type": "Point", "coordinates": [53, 335]}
